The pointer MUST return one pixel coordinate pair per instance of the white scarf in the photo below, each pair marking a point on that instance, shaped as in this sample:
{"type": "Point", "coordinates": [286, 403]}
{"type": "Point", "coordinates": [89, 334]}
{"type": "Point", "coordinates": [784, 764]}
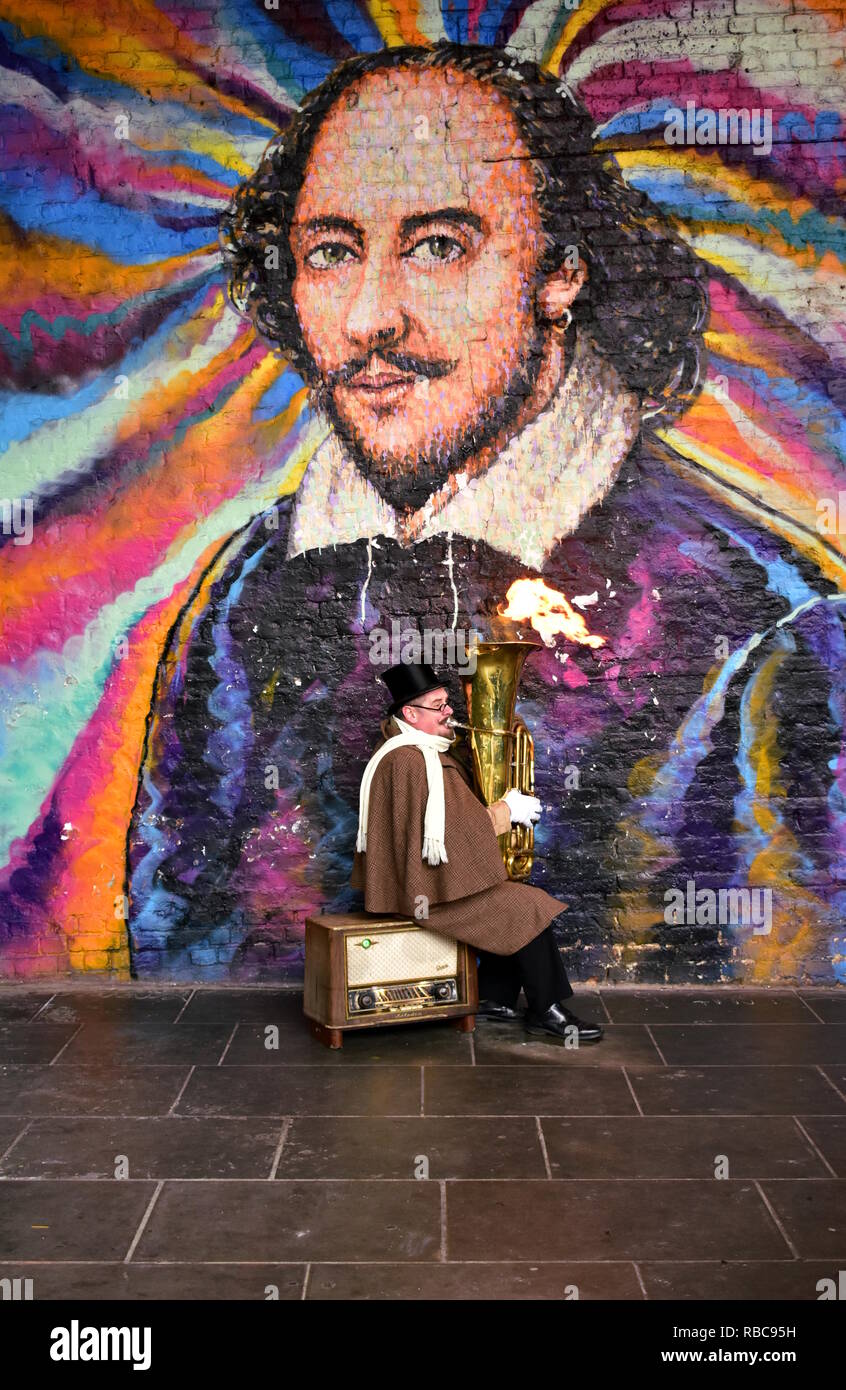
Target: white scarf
{"type": "Point", "coordinates": [434, 850]}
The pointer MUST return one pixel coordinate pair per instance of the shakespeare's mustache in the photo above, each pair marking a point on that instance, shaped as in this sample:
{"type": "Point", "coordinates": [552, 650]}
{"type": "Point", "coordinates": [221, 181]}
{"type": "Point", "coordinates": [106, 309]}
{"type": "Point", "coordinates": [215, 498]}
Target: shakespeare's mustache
{"type": "Point", "coordinates": [430, 368]}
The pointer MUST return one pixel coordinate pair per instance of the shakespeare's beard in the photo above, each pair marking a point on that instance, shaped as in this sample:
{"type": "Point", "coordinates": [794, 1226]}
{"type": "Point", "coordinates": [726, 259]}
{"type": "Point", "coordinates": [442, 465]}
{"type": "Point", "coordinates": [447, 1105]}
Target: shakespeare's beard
{"type": "Point", "coordinates": [406, 476]}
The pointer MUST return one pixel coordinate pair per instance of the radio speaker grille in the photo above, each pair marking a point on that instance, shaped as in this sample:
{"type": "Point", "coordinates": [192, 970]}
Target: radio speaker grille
{"type": "Point", "coordinates": [410, 953]}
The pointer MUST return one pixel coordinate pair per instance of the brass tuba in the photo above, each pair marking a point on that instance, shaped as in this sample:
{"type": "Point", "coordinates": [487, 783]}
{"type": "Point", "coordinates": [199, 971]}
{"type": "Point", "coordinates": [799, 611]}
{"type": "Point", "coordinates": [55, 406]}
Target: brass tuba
{"type": "Point", "coordinates": [502, 747]}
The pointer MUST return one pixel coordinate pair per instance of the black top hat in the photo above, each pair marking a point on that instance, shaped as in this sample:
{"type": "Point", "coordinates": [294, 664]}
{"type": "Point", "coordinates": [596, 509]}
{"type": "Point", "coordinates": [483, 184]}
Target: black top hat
{"type": "Point", "coordinates": [408, 681]}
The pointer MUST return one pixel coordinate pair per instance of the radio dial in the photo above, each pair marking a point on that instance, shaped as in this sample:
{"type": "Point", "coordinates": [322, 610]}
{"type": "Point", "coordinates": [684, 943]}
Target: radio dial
{"type": "Point", "coordinates": [366, 1001]}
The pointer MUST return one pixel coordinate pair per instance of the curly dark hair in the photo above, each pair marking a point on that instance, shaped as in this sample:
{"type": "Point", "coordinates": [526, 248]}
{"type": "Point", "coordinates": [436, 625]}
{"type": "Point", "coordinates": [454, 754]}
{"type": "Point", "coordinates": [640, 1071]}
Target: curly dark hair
{"type": "Point", "coordinates": [644, 304]}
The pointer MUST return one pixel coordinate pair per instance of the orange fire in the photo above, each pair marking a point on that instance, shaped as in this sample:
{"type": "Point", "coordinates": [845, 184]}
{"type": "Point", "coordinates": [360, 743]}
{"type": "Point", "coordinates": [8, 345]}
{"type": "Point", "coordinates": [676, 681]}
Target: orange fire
{"type": "Point", "coordinates": [549, 612]}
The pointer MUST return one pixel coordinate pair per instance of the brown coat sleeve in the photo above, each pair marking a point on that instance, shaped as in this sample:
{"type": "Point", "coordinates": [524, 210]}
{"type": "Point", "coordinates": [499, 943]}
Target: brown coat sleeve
{"type": "Point", "coordinates": [393, 873]}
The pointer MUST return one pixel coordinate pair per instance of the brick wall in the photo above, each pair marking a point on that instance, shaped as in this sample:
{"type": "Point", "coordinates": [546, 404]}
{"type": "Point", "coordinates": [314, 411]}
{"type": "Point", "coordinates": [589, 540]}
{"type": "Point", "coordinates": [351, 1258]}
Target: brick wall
{"type": "Point", "coordinates": [161, 649]}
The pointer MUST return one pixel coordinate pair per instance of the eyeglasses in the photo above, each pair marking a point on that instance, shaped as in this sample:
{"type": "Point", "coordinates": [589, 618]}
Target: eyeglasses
{"type": "Point", "coordinates": [433, 709]}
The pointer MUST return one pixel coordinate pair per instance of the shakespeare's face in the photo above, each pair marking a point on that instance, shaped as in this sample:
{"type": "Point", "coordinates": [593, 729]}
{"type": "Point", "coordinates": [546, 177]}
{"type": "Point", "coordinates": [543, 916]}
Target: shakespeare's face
{"type": "Point", "coordinates": [416, 237]}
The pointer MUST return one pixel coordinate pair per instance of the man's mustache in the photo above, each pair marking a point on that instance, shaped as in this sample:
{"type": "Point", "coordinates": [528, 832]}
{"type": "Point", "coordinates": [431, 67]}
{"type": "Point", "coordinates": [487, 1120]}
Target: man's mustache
{"type": "Point", "coordinates": [429, 367]}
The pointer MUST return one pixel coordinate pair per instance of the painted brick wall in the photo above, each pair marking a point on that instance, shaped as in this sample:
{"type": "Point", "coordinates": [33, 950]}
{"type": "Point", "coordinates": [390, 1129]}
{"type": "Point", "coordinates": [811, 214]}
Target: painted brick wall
{"type": "Point", "coordinates": [195, 584]}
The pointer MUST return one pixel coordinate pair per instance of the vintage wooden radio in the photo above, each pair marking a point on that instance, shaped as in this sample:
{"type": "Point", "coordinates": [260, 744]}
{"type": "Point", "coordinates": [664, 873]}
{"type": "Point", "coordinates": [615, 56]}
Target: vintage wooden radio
{"type": "Point", "coordinates": [364, 971]}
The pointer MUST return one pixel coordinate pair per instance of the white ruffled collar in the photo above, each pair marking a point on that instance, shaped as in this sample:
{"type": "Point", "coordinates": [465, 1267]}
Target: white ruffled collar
{"type": "Point", "coordinates": [549, 475]}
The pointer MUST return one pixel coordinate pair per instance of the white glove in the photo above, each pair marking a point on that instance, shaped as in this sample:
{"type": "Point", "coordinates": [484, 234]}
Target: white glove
{"type": "Point", "coordinates": [525, 810]}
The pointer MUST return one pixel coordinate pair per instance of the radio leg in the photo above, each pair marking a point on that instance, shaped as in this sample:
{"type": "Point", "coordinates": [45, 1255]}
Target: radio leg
{"type": "Point", "coordinates": [465, 1024]}
{"type": "Point", "coordinates": [330, 1037]}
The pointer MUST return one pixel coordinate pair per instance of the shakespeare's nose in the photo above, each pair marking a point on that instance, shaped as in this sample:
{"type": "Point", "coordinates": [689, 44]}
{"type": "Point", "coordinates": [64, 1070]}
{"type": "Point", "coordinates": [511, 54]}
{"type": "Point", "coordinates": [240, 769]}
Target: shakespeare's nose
{"type": "Point", "coordinates": [374, 315]}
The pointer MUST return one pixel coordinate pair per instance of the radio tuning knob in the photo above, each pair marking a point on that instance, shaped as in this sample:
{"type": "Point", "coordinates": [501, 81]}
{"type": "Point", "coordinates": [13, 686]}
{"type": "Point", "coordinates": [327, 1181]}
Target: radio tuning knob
{"type": "Point", "coordinates": [442, 991]}
{"type": "Point", "coordinates": [366, 1001]}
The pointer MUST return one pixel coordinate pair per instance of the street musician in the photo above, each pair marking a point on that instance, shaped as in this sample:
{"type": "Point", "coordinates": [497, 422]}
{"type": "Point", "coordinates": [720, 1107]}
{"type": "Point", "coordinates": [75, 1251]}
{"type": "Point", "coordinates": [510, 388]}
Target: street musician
{"type": "Point", "coordinates": [427, 848]}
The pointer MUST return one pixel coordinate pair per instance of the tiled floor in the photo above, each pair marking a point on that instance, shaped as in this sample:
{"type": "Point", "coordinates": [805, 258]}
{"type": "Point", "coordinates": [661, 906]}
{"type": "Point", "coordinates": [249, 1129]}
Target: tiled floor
{"type": "Point", "coordinates": [155, 1144]}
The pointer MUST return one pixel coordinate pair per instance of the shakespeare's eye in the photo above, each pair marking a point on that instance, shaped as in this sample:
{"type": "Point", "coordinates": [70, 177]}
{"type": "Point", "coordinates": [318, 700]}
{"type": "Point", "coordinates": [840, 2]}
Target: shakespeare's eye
{"type": "Point", "coordinates": [436, 250]}
{"type": "Point", "coordinates": [330, 254]}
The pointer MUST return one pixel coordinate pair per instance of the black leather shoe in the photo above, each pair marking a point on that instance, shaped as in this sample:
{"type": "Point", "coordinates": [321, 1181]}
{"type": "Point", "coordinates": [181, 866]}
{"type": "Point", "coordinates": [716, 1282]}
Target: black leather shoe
{"type": "Point", "coordinates": [559, 1023]}
{"type": "Point", "coordinates": [489, 1009]}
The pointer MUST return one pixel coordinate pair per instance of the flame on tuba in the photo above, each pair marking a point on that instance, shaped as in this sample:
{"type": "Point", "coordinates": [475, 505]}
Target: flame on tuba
{"type": "Point", "coordinates": [502, 747]}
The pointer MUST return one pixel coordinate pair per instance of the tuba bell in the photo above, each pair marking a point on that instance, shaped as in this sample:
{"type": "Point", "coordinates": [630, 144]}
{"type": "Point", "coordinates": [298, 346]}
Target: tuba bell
{"type": "Point", "coordinates": [502, 748]}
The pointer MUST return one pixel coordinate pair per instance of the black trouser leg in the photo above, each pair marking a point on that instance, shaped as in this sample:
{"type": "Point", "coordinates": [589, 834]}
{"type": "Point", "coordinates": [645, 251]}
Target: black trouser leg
{"type": "Point", "coordinates": [538, 968]}
{"type": "Point", "coordinates": [542, 972]}
{"type": "Point", "coordinates": [499, 978]}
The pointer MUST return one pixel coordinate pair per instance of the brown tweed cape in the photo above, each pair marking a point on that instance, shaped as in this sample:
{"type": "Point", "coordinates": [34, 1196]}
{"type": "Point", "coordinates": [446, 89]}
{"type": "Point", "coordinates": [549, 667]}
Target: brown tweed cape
{"type": "Point", "coordinates": [470, 898]}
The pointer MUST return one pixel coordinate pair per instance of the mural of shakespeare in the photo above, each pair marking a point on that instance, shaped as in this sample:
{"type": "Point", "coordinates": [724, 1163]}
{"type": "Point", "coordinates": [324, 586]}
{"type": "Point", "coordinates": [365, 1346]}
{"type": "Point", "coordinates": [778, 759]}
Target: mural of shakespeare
{"type": "Point", "coordinates": [488, 321]}
{"type": "Point", "coordinates": [334, 333]}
